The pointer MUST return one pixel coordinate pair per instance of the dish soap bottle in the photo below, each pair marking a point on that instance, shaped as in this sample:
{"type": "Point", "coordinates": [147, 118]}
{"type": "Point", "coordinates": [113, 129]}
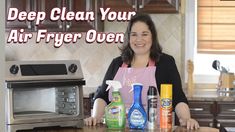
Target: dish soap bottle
{"type": "Point", "coordinates": [115, 113]}
{"type": "Point", "coordinates": [137, 116]}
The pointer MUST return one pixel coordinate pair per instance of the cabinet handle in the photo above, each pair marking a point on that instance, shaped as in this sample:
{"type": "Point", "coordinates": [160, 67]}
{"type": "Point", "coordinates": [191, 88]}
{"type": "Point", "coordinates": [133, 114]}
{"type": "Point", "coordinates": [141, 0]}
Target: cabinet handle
{"type": "Point", "coordinates": [135, 5]}
{"type": "Point", "coordinates": [29, 27]}
{"type": "Point", "coordinates": [211, 124]}
{"type": "Point", "coordinates": [231, 110]}
{"type": "Point", "coordinates": [142, 4]}
{"type": "Point", "coordinates": [196, 109]}
{"type": "Point", "coordinates": [218, 125]}
{"type": "Point", "coordinates": [67, 26]}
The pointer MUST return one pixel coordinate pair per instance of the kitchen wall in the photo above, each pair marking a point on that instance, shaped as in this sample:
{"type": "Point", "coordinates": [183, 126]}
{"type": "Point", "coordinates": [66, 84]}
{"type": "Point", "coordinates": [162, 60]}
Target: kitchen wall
{"type": "Point", "coordinates": [95, 58]}
{"type": "Point", "coordinates": [2, 91]}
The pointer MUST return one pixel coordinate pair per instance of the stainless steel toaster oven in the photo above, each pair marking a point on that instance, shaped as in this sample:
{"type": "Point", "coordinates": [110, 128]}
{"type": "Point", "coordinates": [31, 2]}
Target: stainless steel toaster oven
{"type": "Point", "coordinates": [43, 94]}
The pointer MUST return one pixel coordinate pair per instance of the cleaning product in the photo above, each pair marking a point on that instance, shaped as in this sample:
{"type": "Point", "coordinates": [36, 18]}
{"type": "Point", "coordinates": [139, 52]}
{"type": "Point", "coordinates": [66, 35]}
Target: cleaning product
{"type": "Point", "coordinates": [152, 110]}
{"type": "Point", "coordinates": [115, 113]}
{"type": "Point", "coordinates": [137, 116]}
{"type": "Point", "coordinates": [166, 106]}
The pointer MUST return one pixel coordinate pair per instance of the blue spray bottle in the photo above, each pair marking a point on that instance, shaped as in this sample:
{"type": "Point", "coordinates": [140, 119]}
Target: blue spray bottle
{"type": "Point", "coordinates": [137, 116]}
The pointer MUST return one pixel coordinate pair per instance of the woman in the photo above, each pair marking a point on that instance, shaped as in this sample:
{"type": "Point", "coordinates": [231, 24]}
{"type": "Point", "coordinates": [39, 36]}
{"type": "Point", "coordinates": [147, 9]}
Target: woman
{"type": "Point", "coordinates": [142, 61]}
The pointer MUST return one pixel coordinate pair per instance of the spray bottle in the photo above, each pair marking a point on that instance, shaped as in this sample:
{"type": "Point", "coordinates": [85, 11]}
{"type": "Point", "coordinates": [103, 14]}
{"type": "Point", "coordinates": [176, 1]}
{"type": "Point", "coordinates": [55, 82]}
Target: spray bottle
{"type": "Point", "coordinates": [137, 116]}
{"type": "Point", "coordinates": [166, 106]}
{"type": "Point", "coordinates": [152, 108]}
{"type": "Point", "coordinates": [115, 113]}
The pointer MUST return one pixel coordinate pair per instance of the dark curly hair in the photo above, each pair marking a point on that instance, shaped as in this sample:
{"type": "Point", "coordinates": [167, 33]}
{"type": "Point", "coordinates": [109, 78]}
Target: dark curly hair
{"type": "Point", "coordinates": [155, 51]}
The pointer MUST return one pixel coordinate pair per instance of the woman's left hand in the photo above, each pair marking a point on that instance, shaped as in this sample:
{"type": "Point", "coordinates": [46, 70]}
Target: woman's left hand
{"type": "Point", "coordinates": [189, 123]}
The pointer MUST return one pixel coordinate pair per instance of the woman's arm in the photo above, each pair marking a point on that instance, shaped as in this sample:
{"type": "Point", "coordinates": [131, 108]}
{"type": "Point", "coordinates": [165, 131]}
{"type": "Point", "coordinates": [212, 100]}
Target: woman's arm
{"type": "Point", "coordinates": [168, 73]}
{"type": "Point", "coordinates": [183, 113]}
{"type": "Point", "coordinates": [97, 113]}
{"type": "Point", "coordinates": [101, 95]}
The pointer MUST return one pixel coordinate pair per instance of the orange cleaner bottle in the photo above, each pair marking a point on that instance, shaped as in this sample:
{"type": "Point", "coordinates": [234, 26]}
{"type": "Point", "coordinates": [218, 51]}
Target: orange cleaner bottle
{"type": "Point", "coordinates": [166, 106]}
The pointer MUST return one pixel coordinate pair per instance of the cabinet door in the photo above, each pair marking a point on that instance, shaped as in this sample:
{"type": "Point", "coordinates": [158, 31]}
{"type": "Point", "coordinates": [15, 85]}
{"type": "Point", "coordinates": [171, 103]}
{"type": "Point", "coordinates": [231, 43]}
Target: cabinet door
{"type": "Point", "coordinates": [226, 114]}
{"type": "Point", "coordinates": [159, 6]}
{"type": "Point", "coordinates": [21, 5]}
{"type": "Point", "coordinates": [83, 6]}
{"type": "Point", "coordinates": [87, 106]}
{"type": "Point", "coordinates": [203, 112]}
{"type": "Point", "coordinates": [46, 6]}
{"type": "Point", "coordinates": [147, 6]}
{"type": "Point", "coordinates": [121, 5]}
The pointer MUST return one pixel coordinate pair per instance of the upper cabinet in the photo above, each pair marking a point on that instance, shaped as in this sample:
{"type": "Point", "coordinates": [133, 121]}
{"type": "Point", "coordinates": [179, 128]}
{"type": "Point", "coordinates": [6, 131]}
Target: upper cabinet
{"type": "Point", "coordinates": [120, 5]}
{"type": "Point", "coordinates": [64, 6]}
{"type": "Point", "coordinates": [84, 25]}
{"type": "Point", "coordinates": [159, 6]}
{"type": "Point", "coordinates": [146, 6]}
{"type": "Point", "coordinates": [46, 6]}
{"type": "Point", "coordinates": [21, 5]}
{"type": "Point", "coordinates": [68, 7]}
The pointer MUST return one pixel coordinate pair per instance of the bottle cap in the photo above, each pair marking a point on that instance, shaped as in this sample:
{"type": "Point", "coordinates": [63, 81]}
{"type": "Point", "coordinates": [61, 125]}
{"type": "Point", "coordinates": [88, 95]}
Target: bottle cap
{"type": "Point", "coordinates": [166, 91]}
{"type": "Point", "coordinates": [134, 85]}
{"type": "Point", "coordinates": [152, 90]}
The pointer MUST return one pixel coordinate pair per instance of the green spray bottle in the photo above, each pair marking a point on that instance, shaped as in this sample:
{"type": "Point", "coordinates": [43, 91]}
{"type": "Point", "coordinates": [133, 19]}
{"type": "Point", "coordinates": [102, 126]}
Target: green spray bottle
{"type": "Point", "coordinates": [115, 113]}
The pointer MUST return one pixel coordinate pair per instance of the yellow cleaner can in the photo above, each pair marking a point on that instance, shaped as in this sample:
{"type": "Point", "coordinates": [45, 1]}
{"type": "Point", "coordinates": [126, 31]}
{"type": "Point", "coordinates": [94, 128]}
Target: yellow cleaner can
{"type": "Point", "coordinates": [166, 106]}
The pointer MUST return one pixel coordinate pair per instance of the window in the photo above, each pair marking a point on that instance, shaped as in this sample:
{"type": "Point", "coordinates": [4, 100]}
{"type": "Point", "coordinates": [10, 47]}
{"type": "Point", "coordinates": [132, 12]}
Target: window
{"type": "Point", "coordinates": [216, 26]}
{"type": "Point", "coordinates": [203, 71]}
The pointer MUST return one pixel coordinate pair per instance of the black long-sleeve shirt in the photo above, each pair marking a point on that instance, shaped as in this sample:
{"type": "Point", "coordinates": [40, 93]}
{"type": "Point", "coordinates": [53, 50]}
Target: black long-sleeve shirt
{"type": "Point", "coordinates": [166, 73]}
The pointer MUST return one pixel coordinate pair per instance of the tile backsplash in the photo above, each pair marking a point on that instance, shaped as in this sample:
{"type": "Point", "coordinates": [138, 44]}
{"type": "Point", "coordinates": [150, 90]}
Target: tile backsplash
{"type": "Point", "coordinates": [95, 58]}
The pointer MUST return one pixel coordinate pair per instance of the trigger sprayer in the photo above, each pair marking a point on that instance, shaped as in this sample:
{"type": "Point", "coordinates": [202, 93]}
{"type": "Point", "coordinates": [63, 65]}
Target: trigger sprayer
{"type": "Point", "coordinates": [115, 84]}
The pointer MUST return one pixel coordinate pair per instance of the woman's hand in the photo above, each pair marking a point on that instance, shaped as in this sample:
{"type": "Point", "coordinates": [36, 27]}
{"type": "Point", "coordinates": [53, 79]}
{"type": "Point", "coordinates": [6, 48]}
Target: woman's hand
{"type": "Point", "coordinates": [183, 113]}
{"type": "Point", "coordinates": [92, 121]}
{"type": "Point", "coordinates": [189, 123]}
{"type": "Point", "coordinates": [97, 113]}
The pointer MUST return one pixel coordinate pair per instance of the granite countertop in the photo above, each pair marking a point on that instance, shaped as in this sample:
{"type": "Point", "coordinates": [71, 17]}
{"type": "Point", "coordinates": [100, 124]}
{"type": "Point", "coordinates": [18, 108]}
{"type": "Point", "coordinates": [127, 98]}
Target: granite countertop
{"type": "Point", "coordinates": [212, 95]}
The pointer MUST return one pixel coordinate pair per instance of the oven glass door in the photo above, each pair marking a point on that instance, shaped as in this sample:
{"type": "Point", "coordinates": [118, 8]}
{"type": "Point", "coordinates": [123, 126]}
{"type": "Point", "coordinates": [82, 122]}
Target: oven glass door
{"type": "Point", "coordinates": [48, 102]}
{"type": "Point", "coordinates": [48, 99]}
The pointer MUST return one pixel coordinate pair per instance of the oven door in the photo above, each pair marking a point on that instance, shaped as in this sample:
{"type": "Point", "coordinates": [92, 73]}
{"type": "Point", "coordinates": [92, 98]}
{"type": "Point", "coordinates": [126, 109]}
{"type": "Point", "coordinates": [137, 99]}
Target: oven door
{"type": "Point", "coordinates": [44, 101]}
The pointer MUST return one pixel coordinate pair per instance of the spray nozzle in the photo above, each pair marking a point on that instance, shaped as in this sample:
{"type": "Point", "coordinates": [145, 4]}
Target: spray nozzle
{"type": "Point", "coordinates": [115, 84]}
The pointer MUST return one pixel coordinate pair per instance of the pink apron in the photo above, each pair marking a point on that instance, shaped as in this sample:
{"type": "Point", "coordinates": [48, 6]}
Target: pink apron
{"type": "Point", "coordinates": [127, 76]}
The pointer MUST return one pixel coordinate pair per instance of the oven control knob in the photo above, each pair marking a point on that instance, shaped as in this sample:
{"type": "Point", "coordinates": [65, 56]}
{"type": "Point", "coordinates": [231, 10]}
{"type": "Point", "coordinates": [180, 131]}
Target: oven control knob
{"type": "Point", "coordinates": [14, 69]}
{"type": "Point", "coordinates": [73, 68]}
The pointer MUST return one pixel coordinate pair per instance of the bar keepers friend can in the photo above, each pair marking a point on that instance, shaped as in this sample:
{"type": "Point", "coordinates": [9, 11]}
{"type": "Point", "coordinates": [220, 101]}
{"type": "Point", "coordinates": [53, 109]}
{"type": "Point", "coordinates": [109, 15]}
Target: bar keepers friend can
{"type": "Point", "coordinates": [166, 106]}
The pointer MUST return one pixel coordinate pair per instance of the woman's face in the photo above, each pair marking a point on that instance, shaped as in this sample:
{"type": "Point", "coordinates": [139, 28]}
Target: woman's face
{"type": "Point", "coordinates": [140, 38]}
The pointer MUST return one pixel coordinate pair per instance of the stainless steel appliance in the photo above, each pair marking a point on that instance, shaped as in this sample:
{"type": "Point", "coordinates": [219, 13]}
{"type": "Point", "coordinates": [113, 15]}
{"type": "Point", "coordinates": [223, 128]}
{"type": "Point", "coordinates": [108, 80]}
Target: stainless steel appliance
{"type": "Point", "coordinates": [43, 94]}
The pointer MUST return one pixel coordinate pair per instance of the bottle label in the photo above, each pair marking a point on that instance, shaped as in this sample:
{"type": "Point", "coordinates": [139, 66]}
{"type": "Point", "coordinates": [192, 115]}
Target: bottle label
{"type": "Point", "coordinates": [114, 117]}
{"type": "Point", "coordinates": [114, 110]}
{"type": "Point", "coordinates": [116, 99]}
{"type": "Point", "coordinates": [166, 103]}
{"type": "Point", "coordinates": [137, 118]}
{"type": "Point", "coordinates": [152, 109]}
{"type": "Point", "coordinates": [166, 113]}
{"type": "Point", "coordinates": [152, 102]}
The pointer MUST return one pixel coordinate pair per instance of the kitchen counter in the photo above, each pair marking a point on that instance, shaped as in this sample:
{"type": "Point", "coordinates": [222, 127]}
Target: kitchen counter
{"type": "Point", "coordinates": [211, 95]}
{"type": "Point", "coordinates": [102, 128]}
{"type": "Point", "coordinates": [209, 108]}
{"type": "Point", "coordinates": [194, 98]}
